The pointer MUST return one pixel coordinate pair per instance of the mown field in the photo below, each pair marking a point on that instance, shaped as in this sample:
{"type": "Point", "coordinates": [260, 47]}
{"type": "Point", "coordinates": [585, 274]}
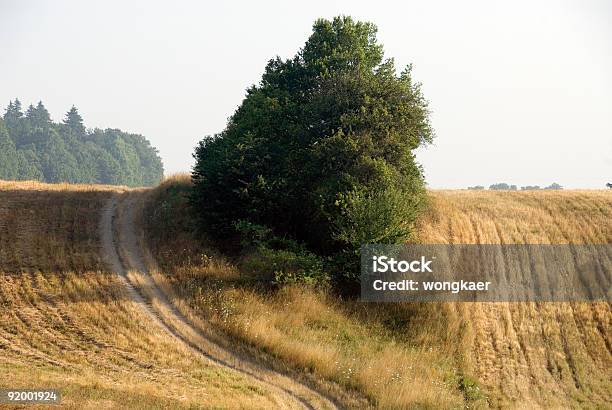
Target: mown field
{"type": "Point", "coordinates": [537, 354]}
{"type": "Point", "coordinates": [67, 322]}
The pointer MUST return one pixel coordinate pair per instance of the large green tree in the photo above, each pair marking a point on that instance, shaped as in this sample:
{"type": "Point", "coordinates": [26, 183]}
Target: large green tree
{"type": "Point", "coordinates": [321, 149]}
{"type": "Point", "coordinates": [13, 111]}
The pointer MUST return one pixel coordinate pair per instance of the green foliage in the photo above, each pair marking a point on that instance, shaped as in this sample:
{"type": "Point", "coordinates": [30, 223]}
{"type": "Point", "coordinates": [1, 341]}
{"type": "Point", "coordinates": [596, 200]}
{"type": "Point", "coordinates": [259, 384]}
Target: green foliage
{"type": "Point", "coordinates": [38, 116]}
{"type": "Point", "coordinates": [74, 122]}
{"type": "Point", "coordinates": [376, 216]}
{"type": "Point", "coordinates": [33, 147]}
{"type": "Point", "coordinates": [253, 235]}
{"type": "Point", "coordinates": [294, 267]}
{"type": "Point", "coordinates": [29, 166]}
{"type": "Point", "coordinates": [320, 146]}
{"type": "Point", "coordinates": [171, 214]}
{"type": "Point", "coordinates": [8, 154]}
{"type": "Point", "coordinates": [280, 259]}
{"type": "Point", "coordinates": [471, 390]}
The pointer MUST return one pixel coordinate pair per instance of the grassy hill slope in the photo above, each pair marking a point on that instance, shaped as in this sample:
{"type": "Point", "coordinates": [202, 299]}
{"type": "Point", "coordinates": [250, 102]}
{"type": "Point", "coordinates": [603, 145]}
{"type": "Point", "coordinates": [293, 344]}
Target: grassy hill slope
{"type": "Point", "coordinates": [446, 355]}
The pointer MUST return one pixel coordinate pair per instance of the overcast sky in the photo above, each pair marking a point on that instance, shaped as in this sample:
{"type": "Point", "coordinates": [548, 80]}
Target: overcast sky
{"type": "Point", "coordinates": [520, 91]}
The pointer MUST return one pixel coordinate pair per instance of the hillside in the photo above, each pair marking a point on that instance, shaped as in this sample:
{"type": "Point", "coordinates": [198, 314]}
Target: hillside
{"type": "Point", "coordinates": [105, 333]}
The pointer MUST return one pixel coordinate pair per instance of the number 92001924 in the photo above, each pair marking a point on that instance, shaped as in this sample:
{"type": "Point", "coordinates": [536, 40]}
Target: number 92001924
{"type": "Point", "coordinates": [43, 396]}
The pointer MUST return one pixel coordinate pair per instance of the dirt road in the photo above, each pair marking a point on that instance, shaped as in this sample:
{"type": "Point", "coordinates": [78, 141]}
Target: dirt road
{"type": "Point", "coordinates": [123, 254]}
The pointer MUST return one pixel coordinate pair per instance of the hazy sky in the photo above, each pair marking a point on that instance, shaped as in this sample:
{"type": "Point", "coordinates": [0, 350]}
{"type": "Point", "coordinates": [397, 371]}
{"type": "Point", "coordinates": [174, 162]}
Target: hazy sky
{"type": "Point", "coordinates": [520, 91]}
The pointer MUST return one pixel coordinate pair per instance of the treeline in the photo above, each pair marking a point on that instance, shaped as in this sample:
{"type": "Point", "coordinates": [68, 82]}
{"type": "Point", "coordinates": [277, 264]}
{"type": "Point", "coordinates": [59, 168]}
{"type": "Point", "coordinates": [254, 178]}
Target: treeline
{"type": "Point", "coordinates": [502, 186]}
{"type": "Point", "coordinates": [32, 147]}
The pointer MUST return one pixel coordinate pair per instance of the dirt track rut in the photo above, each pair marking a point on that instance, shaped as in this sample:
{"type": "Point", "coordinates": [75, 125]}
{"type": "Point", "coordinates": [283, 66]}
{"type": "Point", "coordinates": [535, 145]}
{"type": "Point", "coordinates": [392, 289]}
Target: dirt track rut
{"type": "Point", "coordinates": [124, 255]}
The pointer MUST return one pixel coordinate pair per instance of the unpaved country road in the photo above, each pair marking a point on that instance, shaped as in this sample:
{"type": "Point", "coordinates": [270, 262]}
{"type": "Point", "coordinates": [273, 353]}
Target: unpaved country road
{"type": "Point", "coordinates": [124, 256]}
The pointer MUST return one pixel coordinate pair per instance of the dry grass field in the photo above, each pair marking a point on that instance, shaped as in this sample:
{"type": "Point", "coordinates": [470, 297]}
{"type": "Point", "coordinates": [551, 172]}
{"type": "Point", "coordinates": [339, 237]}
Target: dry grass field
{"type": "Point", "coordinates": [501, 355]}
{"type": "Point", "coordinates": [67, 322]}
{"type": "Point", "coordinates": [549, 355]}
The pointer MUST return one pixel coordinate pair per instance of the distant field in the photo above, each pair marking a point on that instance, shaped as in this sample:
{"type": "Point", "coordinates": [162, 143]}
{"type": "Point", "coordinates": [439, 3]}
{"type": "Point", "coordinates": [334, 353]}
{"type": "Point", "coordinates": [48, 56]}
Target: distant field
{"type": "Point", "coordinates": [68, 322]}
{"type": "Point", "coordinates": [536, 217]}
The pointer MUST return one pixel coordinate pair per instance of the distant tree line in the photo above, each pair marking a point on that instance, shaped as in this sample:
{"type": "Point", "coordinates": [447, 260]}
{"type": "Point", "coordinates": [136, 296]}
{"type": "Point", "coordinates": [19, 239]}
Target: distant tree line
{"type": "Point", "coordinates": [32, 147]}
{"type": "Point", "coordinates": [502, 186]}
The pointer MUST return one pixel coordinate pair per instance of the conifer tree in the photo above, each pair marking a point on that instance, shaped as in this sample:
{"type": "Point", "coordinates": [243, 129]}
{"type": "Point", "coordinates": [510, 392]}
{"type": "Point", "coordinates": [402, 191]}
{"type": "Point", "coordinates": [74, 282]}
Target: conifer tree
{"type": "Point", "coordinates": [74, 121]}
{"type": "Point", "coordinates": [38, 116]}
{"type": "Point", "coordinates": [17, 107]}
{"type": "Point", "coordinates": [13, 111]}
{"type": "Point", "coordinates": [9, 109]}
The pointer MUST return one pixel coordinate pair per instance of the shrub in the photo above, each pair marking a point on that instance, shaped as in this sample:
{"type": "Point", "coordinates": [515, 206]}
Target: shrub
{"type": "Point", "coordinates": [281, 260]}
{"type": "Point", "coordinates": [294, 267]}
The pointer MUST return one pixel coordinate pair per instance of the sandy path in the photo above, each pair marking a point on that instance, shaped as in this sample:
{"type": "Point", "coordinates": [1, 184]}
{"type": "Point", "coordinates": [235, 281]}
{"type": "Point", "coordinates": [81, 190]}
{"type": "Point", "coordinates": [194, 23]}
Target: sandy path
{"type": "Point", "coordinates": [124, 256]}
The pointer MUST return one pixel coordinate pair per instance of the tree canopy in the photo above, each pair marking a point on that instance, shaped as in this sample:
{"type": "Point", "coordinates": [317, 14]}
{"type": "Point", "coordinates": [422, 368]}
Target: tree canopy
{"type": "Point", "coordinates": [32, 147]}
{"type": "Point", "coordinates": [320, 150]}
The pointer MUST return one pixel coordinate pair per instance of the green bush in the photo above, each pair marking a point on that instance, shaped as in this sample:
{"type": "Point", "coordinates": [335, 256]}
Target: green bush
{"type": "Point", "coordinates": [381, 216]}
{"type": "Point", "coordinates": [471, 389]}
{"type": "Point", "coordinates": [281, 260]}
{"type": "Point", "coordinates": [285, 266]}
